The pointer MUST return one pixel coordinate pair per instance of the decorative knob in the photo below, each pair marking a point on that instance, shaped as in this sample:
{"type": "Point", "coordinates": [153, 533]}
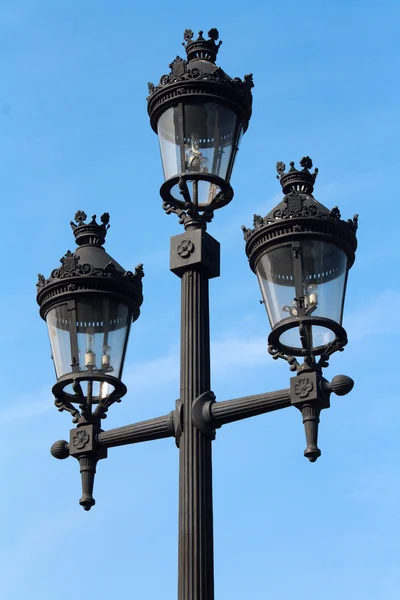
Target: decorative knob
{"type": "Point", "coordinates": [340, 385]}
{"type": "Point", "coordinates": [60, 449]}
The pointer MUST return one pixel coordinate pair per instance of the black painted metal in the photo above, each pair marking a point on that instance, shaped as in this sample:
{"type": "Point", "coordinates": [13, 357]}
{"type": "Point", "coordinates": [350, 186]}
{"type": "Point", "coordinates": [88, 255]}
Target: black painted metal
{"type": "Point", "coordinates": [199, 77]}
{"type": "Point", "coordinates": [152, 429]}
{"type": "Point", "coordinates": [229, 411]}
{"type": "Point", "coordinates": [197, 414]}
{"type": "Point", "coordinates": [196, 561]}
{"type": "Point", "coordinates": [89, 270]}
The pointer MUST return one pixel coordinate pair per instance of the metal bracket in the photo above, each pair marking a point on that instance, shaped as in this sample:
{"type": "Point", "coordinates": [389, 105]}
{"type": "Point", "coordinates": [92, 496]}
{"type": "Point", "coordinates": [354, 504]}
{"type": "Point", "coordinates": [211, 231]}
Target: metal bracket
{"type": "Point", "coordinates": [196, 249]}
{"type": "Point", "coordinates": [178, 421]}
{"type": "Point", "coordinates": [83, 441]}
{"type": "Point", "coordinates": [201, 414]}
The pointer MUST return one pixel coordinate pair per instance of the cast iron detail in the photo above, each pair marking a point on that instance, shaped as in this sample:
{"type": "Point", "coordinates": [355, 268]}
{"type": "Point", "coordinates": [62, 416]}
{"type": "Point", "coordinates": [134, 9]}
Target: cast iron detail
{"type": "Point", "coordinates": [90, 233]}
{"type": "Point", "coordinates": [60, 449]}
{"type": "Point", "coordinates": [88, 409]}
{"type": "Point", "coordinates": [201, 48]}
{"type": "Point", "coordinates": [189, 216]}
{"type": "Point", "coordinates": [303, 387]}
{"type": "Point", "coordinates": [310, 393]}
{"type": "Point", "coordinates": [185, 248]}
{"type": "Point", "coordinates": [311, 360]}
{"type": "Point", "coordinates": [299, 203]}
{"type": "Point", "coordinates": [202, 415]}
{"type": "Point", "coordinates": [198, 76]}
{"type": "Point", "coordinates": [70, 267]}
{"type": "Point", "coordinates": [80, 439]}
{"type": "Point", "coordinates": [90, 268]}
{"type": "Point", "coordinates": [295, 179]}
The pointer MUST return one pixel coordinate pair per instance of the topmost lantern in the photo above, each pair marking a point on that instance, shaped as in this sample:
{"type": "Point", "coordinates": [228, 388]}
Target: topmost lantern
{"type": "Point", "coordinates": [199, 114]}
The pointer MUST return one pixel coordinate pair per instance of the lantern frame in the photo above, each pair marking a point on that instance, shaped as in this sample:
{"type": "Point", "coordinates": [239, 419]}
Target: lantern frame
{"type": "Point", "coordinates": [89, 273]}
{"type": "Point", "coordinates": [198, 81]}
{"type": "Point", "coordinates": [297, 218]}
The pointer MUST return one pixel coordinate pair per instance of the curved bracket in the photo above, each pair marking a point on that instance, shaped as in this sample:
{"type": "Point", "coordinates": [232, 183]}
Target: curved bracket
{"type": "Point", "coordinates": [201, 414]}
{"type": "Point", "coordinates": [177, 419]}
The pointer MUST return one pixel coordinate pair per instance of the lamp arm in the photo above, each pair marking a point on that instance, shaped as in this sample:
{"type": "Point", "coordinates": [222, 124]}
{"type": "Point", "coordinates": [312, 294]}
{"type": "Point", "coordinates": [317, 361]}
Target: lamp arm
{"type": "Point", "coordinates": [144, 431]}
{"type": "Point", "coordinates": [209, 415]}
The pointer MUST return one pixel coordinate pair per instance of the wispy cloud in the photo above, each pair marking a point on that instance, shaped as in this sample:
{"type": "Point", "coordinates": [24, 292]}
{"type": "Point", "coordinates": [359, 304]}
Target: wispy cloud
{"type": "Point", "coordinates": [27, 407]}
{"type": "Point", "coordinates": [227, 355]}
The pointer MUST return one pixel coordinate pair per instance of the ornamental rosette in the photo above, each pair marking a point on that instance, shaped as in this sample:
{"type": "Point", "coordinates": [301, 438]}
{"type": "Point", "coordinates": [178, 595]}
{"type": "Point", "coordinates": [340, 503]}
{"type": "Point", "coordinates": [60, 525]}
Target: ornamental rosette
{"type": "Point", "coordinates": [80, 439]}
{"type": "Point", "coordinates": [303, 387]}
{"type": "Point", "coordinates": [185, 248]}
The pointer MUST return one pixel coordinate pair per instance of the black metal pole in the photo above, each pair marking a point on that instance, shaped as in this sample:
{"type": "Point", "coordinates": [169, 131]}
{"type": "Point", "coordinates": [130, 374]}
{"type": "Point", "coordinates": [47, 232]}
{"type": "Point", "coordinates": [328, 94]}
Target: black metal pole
{"type": "Point", "coordinates": [196, 560]}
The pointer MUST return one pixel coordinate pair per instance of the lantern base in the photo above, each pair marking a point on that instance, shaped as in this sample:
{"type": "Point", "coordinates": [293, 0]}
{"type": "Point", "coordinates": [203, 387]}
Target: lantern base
{"type": "Point", "coordinates": [305, 324]}
{"type": "Point", "coordinates": [92, 407]}
{"type": "Point", "coordinates": [189, 208]}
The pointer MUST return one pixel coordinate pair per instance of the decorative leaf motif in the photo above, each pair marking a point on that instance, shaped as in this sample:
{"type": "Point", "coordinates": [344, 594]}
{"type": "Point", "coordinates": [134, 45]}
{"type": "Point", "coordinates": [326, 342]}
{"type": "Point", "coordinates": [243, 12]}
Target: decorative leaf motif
{"type": "Point", "coordinates": [80, 217]}
{"type": "Point", "coordinates": [303, 387]}
{"type": "Point", "coordinates": [280, 167]}
{"type": "Point", "coordinates": [306, 162]}
{"type": "Point", "coordinates": [213, 34]}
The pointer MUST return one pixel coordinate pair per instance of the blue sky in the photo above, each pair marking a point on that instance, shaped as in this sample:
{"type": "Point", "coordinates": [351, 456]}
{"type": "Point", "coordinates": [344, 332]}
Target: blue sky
{"type": "Point", "coordinates": [74, 134]}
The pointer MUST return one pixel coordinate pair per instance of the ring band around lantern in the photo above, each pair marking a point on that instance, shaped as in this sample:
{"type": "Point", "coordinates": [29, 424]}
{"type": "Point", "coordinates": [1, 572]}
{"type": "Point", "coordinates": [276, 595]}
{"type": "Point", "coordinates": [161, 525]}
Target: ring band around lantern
{"type": "Point", "coordinates": [217, 200]}
{"type": "Point", "coordinates": [70, 380]}
{"type": "Point", "coordinates": [274, 337]}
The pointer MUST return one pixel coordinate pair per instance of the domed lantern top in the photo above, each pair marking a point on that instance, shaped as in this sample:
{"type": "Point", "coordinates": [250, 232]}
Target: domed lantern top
{"type": "Point", "coordinates": [199, 114]}
{"type": "Point", "coordinates": [301, 253]}
{"type": "Point", "coordinates": [89, 303]}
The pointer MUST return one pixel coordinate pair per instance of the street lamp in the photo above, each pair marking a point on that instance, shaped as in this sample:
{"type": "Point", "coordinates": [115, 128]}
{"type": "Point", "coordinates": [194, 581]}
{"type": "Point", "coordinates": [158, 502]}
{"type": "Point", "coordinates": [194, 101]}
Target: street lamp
{"type": "Point", "coordinates": [301, 253]}
{"type": "Point", "coordinates": [88, 304]}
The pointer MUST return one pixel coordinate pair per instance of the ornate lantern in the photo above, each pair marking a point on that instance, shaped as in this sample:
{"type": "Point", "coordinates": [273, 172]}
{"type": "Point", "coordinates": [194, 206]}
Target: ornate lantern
{"type": "Point", "coordinates": [199, 114]}
{"type": "Point", "coordinates": [301, 253]}
{"type": "Point", "coordinates": [89, 304]}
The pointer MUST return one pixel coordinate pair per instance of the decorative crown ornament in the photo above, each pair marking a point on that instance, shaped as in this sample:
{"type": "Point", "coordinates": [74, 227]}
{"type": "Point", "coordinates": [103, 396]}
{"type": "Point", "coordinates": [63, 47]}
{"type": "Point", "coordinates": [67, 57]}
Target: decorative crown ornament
{"type": "Point", "coordinates": [201, 49]}
{"type": "Point", "coordinates": [91, 233]}
{"type": "Point", "coordinates": [295, 180]}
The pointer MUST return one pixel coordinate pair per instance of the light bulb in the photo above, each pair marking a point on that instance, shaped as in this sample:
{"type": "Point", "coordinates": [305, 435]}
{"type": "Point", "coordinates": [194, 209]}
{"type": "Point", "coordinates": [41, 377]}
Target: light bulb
{"type": "Point", "coordinates": [90, 355]}
{"type": "Point", "coordinates": [195, 161]}
{"type": "Point", "coordinates": [312, 294]}
{"type": "Point", "coordinates": [106, 358]}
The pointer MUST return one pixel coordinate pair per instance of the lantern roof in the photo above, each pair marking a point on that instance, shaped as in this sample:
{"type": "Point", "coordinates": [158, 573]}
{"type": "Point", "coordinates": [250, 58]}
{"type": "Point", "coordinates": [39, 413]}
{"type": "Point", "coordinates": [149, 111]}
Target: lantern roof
{"type": "Point", "coordinates": [89, 269]}
{"type": "Point", "coordinates": [198, 78]}
{"type": "Point", "coordinates": [298, 215]}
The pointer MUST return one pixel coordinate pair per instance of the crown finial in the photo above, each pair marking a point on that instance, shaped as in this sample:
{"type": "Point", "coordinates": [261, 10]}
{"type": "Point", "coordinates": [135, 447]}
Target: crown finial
{"type": "Point", "coordinates": [295, 180]}
{"type": "Point", "coordinates": [90, 233]}
{"type": "Point", "coordinates": [201, 49]}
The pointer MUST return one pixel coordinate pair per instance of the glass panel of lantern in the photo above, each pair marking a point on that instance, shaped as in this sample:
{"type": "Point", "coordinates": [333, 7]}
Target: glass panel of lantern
{"type": "Point", "coordinates": [322, 273]}
{"type": "Point", "coordinates": [199, 138]}
{"type": "Point", "coordinates": [94, 341]}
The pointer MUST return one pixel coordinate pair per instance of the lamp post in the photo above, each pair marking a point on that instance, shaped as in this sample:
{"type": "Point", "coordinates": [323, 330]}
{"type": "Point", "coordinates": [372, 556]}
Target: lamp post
{"type": "Point", "coordinates": [301, 253]}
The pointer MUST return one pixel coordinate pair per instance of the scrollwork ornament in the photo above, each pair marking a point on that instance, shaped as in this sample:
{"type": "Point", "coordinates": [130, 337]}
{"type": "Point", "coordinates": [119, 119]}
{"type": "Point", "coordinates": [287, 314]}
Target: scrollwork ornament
{"type": "Point", "coordinates": [291, 360]}
{"type": "Point", "coordinates": [41, 280]}
{"type": "Point", "coordinates": [63, 404]}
